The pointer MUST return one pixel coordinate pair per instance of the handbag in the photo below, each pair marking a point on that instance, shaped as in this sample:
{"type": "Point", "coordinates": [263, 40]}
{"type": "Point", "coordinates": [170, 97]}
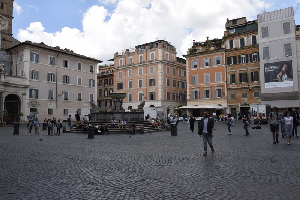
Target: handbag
{"type": "Point", "coordinates": [247, 122]}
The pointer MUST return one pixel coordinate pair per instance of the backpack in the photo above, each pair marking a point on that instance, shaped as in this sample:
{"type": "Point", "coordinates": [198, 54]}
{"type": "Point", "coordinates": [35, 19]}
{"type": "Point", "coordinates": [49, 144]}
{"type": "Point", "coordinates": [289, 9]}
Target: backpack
{"type": "Point", "coordinates": [168, 121]}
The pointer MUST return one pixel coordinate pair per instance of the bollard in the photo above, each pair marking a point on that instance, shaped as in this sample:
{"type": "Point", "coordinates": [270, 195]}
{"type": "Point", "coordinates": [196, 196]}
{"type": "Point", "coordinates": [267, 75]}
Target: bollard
{"type": "Point", "coordinates": [16, 128]}
{"type": "Point", "coordinates": [91, 132]}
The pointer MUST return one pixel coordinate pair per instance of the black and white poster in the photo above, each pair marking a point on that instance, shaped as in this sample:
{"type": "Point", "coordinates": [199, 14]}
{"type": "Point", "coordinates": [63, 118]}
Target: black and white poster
{"type": "Point", "coordinates": [278, 74]}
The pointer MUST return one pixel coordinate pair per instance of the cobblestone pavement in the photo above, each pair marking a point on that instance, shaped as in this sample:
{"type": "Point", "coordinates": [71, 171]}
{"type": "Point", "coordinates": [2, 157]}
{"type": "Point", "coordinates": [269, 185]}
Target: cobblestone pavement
{"type": "Point", "coordinates": [148, 166]}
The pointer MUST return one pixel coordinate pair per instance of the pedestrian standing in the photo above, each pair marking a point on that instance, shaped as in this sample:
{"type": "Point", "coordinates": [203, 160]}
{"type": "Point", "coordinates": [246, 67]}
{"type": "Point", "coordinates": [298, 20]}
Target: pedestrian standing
{"type": "Point", "coordinates": [230, 121]}
{"type": "Point", "coordinates": [295, 116]}
{"type": "Point", "coordinates": [192, 123]}
{"type": "Point", "coordinates": [288, 127]}
{"type": "Point", "coordinates": [69, 122]}
{"type": "Point", "coordinates": [206, 130]}
{"type": "Point", "coordinates": [50, 127]}
{"type": "Point", "coordinates": [273, 122]}
{"type": "Point", "coordinates": [58, 127]}
{"type": "Point", "coordinates": [29, 126]}
{"type": "Point", "coordinates": [246, 123]}
{"type": "Point", "coordinates": [36, 126]}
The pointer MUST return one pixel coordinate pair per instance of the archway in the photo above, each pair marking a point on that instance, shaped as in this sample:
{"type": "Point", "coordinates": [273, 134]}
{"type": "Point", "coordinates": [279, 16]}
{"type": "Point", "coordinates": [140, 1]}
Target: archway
{"type": "Point", "coordinates": [12, 107]}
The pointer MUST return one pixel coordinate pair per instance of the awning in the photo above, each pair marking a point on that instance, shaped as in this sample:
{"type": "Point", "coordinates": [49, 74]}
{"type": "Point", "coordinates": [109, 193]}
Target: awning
{"type": "Point", "coordinates": [202, 107]}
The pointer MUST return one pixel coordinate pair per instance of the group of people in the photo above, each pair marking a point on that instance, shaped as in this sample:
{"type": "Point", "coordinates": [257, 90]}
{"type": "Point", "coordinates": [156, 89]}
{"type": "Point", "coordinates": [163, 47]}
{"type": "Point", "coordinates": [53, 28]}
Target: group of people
{"type": "Point", "coordinates": [33, 123]}
{"type": "Point", "coordinates": [53, 126]}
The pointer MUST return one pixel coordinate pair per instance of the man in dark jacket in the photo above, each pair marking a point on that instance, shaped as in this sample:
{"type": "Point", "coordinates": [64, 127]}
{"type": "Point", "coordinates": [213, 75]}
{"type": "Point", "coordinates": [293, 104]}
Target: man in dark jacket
{"type": "Point", "coordinates": [295, 116]}
{"type": "Point", "coordinates": [205, 129]}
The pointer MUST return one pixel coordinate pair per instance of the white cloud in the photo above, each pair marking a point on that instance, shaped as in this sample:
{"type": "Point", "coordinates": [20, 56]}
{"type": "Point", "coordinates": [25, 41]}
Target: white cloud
{"type": "Point", "coordinates": [135, 22]}
{"type": "Point", "coordinates": [17, 8]}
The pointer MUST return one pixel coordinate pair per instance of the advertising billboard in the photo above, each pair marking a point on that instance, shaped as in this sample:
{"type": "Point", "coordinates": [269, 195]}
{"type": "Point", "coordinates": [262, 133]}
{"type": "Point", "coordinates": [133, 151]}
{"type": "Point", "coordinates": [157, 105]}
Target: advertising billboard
{"type": "Point", "coordinates": [278, 74]}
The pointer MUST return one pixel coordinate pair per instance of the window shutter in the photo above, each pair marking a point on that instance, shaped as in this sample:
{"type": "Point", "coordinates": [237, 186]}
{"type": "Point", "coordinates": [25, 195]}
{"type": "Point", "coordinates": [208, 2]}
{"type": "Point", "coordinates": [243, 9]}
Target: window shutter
{"type": "Point", "coordinates": [228, 61]}
{"type": "Point", "coordinates": [246, 55]}
{"type": "Point", "coordinates": [250, 55]}
{"type": "Point", "coordinates": [239, 58]}
{"type": "Point", "coordinates": [241, 77]}
{"type": "Point", "coordinates": [31, 56]}
{"type": "Point", "coordinates": [36, 93]}
{"type": "Point", "coordinates": [30, 93]}
{"type": "Point", "coordinates": [203, 62]}
{"type": "Point", "coordinates": [48, 76]}
{"type": "Point", "coordinates": [37, 58]}
{"type": "Point", "coordinates": [37, 75]}
{"type": "Point", "coordinates": [257, 56]}
{"type": "Point", "coordinates": [234, 60]}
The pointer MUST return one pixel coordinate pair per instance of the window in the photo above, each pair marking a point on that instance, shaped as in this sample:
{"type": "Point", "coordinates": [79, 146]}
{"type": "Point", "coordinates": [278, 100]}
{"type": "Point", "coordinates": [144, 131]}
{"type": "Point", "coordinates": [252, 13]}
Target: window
{"type": "Point", "coordinates": [105, 82]}
{"type": "Point", "coordinates": [79, 66]}
{"type": "Point", "coordinates": [79, 96]}
{"type": "Point", "coordinates": [286, 27]}
{"type": "Point", "coordinates": [244, 77]}
{"type": "Point", "coordinates": [195, 94]}
{"type": "Point", "coordinates": [206, 94]}
{"type": "Point", "coordinates": [152, 82]}
{"type": "Point", "coordinates": [256, 94]}
{"type": "Point", "coordinates": [287, 49]}
{"type": "Point", "coordinates": [66, 63]}
{"type": "Point", "coordinates": [79, 81]}
{"type": "Point", "coordinates": [130, 84]}
{"type": "Point", "coordinates": [231, 60]}
{"type": "Point", "coordinates": [120, 74]}
{"type": "Point", "coordinates": [141, 59]}
{"type": "Point", "coordinates": [168, 95]}
{"type": "Point", "coordinates": [184, 73]}
{"type": "Point", "coordinates": [174, 96]}
{"type": "Point", "coordinates": [233, 96]}
{"type": "Point", "coordinates": [206, 62]}
{"type": "Point", "coordinates": [129, 96]}
{"type": "Point", "coordinates": [66, 95]}
{"type": "Point", "coordinates": [174, 83]}
{"type": "Point", "coordinates": [130, 61]}
{"type": "Point", "coordinates": [254, 76]}
{"type": "Point", "coordinates": [264, 32]}
{"type": "Point", "coordinates": [51, 77]}
{"type": "Point", "coordinates": [195, 64]}
{"type": "Point", "coordinates": [254, 41]}
{"type": "Point", "coordinates": [130, 72]}
{"type": "Point", "coordinates": [152, 57]}
{"type": "Point", "coordinates": [167, 57]}
{"type": "Point", "coordinates": [119, 85]}
{"type": "Point", "coordinates": [217, 60]}
{"type": "Point", "coordinates": [50, 94]}
{"type": "Point", "coordinates": [232, 79]}
{"type": "Point", "coordinates": [50, 111]}
{"type": "Point", "coordinates": [244, 95]}
{"type": "Point", "coordinates": [168, 82]}
{"type": "Point", "coordinates": [66, 79]}
{"type": "Point", "coordinates": [195, 80]}
{"type": "Point", "coordinates": [65, 112]}
{"type": "Point", "coordinates": [100, 83]}
{"type": "Point", "coordinates": [140, 83]}
{"type": "Point", "coordinates": [34, 75]}
{"type": "Point", "coordinates": [91, 83]}
{"type": "Point", "coordinates": [91, 97]}
{"type": "Point", "coordinates": [51, 60]}
{"type": "Point", "coordinates": [100, 92]}
{"type": "Point", "coordinates": [106, 92]}
{"type": "Point", "coordinates": [151, 69]}
{"type": "Point", "coordinates": [152, 95]}
{"type": "Point", "coordinates": [179, 84]}
{"type": "Point", "coordinates": [243, 59]}
{"type": "Point", "coordinates": [141, 96]}
{"type": "Point", "coordinates": [206, 78]}
{"type": "Point", "coordinates": [168, 69]}
{"type": "Point", "coordinates": [21, 58]}
{"type": "Point", "coordinates": [218, 77]}
{"type": "Point", "coordinates": [111, 81]}
{"type": "Point", "coordinates": [179, 72]}
{"type": "Point", "coordinates": [33, 93]}
{"type": "Point", "coordinates": [254, 57]}
{"type": "Point", "coordinates": [92, 68]}
{"type": "Point", "coordinates": [22, 73]}
{"type": "Point", "coordinates": [140, 71]}
{"type": "Point", "coordinates": [34, 57]}
{"type": "Point", "coordinates": [242, 42]}
{"type": "Point", "coordinates": [231, 44]}
{"type": "Point", "coordinates": [218, 93]}
{"type": "Point", "coordinates": [174, 71]}
{"type": "Point", "coordinates": [266, 54]}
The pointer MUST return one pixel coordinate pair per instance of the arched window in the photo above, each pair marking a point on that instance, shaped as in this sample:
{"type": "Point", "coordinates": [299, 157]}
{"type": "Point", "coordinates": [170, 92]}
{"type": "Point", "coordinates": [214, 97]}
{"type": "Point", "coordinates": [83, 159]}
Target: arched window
{"type": "Point", "coordinates": [152, 57]}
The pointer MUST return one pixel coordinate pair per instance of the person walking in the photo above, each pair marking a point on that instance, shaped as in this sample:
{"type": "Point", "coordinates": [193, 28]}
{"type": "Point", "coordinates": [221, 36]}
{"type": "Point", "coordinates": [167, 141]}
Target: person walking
{"type": "Point", "coordinates": [288, 126]}
{"type": "Point", "coordinates": [205, 129]}
{"type": "Point", "coordinates": [36, 126]}
{"type": "Point", "coordinates": [273, 122]}
{"type": "Point", "coordinates": [192, 123]}
{"type": "Point", "coordinates": [246, 123]}
{"type": "Point", "coordinates": [295, 116]}
{"type": "Point", "coordinates": [58, 127]}
{"type": "Point", "coordinates": [29, 126]}
{"type": "Point", "coordinates": [230, 121]}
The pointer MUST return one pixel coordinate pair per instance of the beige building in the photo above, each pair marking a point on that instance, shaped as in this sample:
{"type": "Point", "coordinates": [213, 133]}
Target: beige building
{"type": "Point", "coordinates": [152, 73]}
{"type": "Point", "coordinates": [105, 85]}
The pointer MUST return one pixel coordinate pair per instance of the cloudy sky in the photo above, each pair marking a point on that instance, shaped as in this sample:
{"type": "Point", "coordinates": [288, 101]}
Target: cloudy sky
{"type": "Point", "coordinates": [99, 28]}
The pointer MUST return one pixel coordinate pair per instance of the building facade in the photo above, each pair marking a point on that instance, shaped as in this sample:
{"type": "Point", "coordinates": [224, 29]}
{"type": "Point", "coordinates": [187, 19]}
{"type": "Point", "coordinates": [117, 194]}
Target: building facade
{"type": "Point", "coordinates": [242, 64]}
{"type": "Point", "coordinates": [105, 86]}
{"type": "Point", "coordinates": [206, 78]}
{"type": "Point", "coordinates": [279, 62]}
{"type": "Point", "coordinates": [151, 73]}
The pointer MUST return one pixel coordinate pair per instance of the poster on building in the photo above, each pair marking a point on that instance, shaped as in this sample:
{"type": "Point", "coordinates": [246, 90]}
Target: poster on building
{"type": "Point", "coordinates": [278, 74]}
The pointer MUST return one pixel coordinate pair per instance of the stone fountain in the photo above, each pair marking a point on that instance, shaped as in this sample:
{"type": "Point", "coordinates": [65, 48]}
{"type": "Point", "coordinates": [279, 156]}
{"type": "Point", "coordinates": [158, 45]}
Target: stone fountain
{"type": "Point", "coordinates": [118, 113]}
